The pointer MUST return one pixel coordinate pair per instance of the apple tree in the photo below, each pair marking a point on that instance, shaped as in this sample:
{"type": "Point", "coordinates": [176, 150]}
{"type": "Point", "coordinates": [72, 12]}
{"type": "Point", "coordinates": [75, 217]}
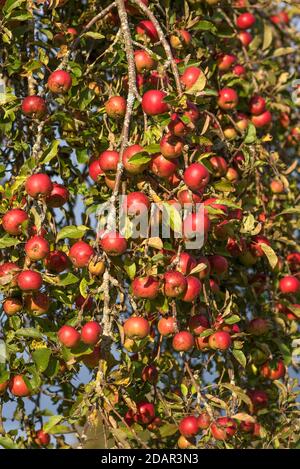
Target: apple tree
{"type": "Point", "coordinates": [110, 339]}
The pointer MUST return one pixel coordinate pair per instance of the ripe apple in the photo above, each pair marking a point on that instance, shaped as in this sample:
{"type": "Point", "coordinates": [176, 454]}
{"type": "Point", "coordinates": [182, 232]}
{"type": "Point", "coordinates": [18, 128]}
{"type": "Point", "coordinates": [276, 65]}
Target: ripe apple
{"type": "Point", "coordinates": [115, 107]}
{"type": "Point", "coordinates": [262, 120]}
{"type": "Point", "coordinates": [225, 61]}
{"type": "Point", "coordinates": [273, 370]}
{"type": "Point", "coordinates": [223, 428]}
{"type": "Point", "coordinates": [258, 326]}
{"type": "Point", "coordinates": [175, 284]}
{"type": "Point", "coordinates": [95, 170]}
{"type": "Point", "coordinates": [293, 259]}
{"type": "Point", "coordinates": [68, 336]}
{"type": "Point", "coordinates": [259, 398]}
{"type": "Point", "coordinates": [211, 202]}
{"type": "Point", "coordinates": [198, 324]}
{"type": "Point", "coordinates": [289, 284]}
{"type": "Point", "coordinates": [186, 263]}
{"type": "Point", "coordinates": [220, 340]}
{"type": "Point", "coordinates": [218, 264]}
{"type": "Point", "coordinates": [257, 105]}
{"type": "Point", "coordinates": [150, 374]}
{"type": "Point", "coordinates": [91, 332]}
{"type": "Point", "coordinates": [133, 168]}
{"type": "Point", "coordinates": [3, 387]}
{"type": "Point", "coordinates": [13, 219]}
{"type": "Point", "coordinates": [57, 261]}
{"type": "Point", "coordinates": [42, 438]}
{"type": "Point", "coordinates": [228, 99]}
{"type": "Point", "coordinates": [137, 202]}
{"type": "Point", "coordinates": [136, 328]}
{"type": "Point", "coordinates": [145, 287]}
{"type": "Point", "coordinates": [38, 185]}
{"type": "Point", "coordinates": [230, 133]}
{"type": "Point", "coordinates": [186, 196]}
{"type": "Point", "coordinates": [153, 102]}
{"type": "Point", "coordinates": [113, 243]}
{"type": "Point", "coordinates": [182, 442]}
{"type": "Point", "coordinates": [277, 186]}
{"type": "Point", "coordinates": [143, 61]}
{"type": "Point", "coordinates": [183, 341]}
{"type": "Point", "coordinates": [58, 196]}
{"type": "Point", "coordinates": [245, 20]}
{"type": "Point", "coordinates": [190, 76]}
{"type": "Point", "coordinates": [196, 177]}
{"type": "Point", "coordinates": [256, 243]}
{"type": "Point", "coordinates": [177, 126]}
{"type": "Point", "coordinates": [145, 413]}
{"type": "Point", "coordinates": [29, 280]}
{"type": "Point", "coordinates": [281, 18]}
{"type": "Point", "coordinates": [87, 304]}
{"type": "Point", "coordinates": [219, 165]}
{"type": "Point", "coordinates": [188, 426]}
{"type": "Point", "coordinates": [194, 287]}
{"type": "Point", "coordinates": [204, 421]}
{"type": "Point", "coordinates": [147, 28]}
{"type": "Point", "coordinates": [18, 386]}
{"type": "Point", "coordinates": [12, 306]}
{"type": "Point", "coordinates": [59, 82]}
{"type": "Point", "coordinates": [34, 106]}
{"type": "Point", "coordinates": [8, 273]}
{"type": "Point", "coordinates": [37, 248]}
{"type": "Point", "coordinates": [96, 268]}
{"type": "Point", "coordinates": [167, 326]}
{"type": "Point", "coordinates": [80, 254]}
{"type": "Point", "coordinates": [171, 146]}
{"type": "Point", "coordinates": [108, 161]}
{"type": "Point", "coordinates": [92, 359]}
{"type": "Point", "coordinates": [180, 39]}
{"type": "Point", "coordinates": [37, 303]}
{"type": "Point", "coordinates": [239, 70]}
{"type": "Point", "coordinates": [245, 37]}
{"type": "Point", "coordinates": [163, 167]}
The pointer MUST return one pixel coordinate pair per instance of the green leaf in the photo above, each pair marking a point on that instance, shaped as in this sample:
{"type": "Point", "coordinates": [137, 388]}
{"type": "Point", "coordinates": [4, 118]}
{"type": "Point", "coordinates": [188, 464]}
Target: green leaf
{"type": "Point", "coordinates": [140, 158]}
{"type": "Point", "coordinates": [284, 51]}
{"type": "Point", "coordinates": [67, 279]}
{"type": "Point", "coordinates": [72, 232]}
{"type": "Point", "coordinates": [168, 429]}
{"type": "Point", "coordinates": [153, 148]}
{"type": "Point", "coordinates": [7, 241]}
{"type": "Point", "coordinates": [240, 357]}
{"type": "Point", "coordinates": [50, 153]}
{"type": "Point", "coordinates": [83, 287]}
{"type": "Point", "coordinates": [10, 5]}
{"type": "Point", "coordinates": [205, 26]}
{"type": "Point", "coordinates": [29, 332]}
{"type": "Point", "coordinates": [94, 35]}
{"type": "Point", "coordinates": [174, 218]}
{"type": "Point", "coordinates": [270, 254]}
{"type": "Point", "coordinates": [7, 443]}
{"type": "Point", "coordinates": [130, 268]}
{"type": "Point", "coordinates": [199, 85]}
{"type": "Point", "coordinates": [232, 319]}
{"type": "Point", "coordinates": [41, 358]}
{"type": "Point", "coordinates": [251, 134]}
{"type": "Point", "coordinates": [268, 36]}
{"type": "Point", "coordinates": [52, 422]}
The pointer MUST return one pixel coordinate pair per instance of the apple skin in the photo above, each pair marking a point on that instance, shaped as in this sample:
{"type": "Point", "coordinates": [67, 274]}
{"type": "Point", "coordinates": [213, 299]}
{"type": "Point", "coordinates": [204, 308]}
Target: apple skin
{"type": "Point", "coordinates": [195, 224]}
{"type": "Point", "coordinates": [183, 341]}
{"type": "Point", "coordinates": [150, 374]}
{"type": "Point", "coordinates": [95, 170]}
{"type": "Point", "coordinates": [198, 324]}
{"type": "Point", "coordinates": [18, 387]}
{"type": "Point", "coordinates": [181, 39]}
{"type": "Point", "coordinates": [68, 336]}
{"type": "Point", "coordinates": [259, 399]}
{"type": "Point", "coordinates": [12, 306]}
{"type": "Point", "coordinates": [153, 104]}
{"type": "Point", "coordinates": [34, 106]}
{"type": "Point", "coordinates": [108, 161]}
{"type": "Point", "coordinates": [258, 326]}
{"type": "Point", "coordinates": [136, 328]}
{"type": "Point", "coordinates": [143, 61]}
{"type": "Point", "coordinates": [57, 261]}
{"type": "Point", "coordinates": [293, 259]}
{"type": "Point", "coordinates": [225, 61]}
{"type": "Point", "coordinates": [289, 284]}
{"type": "Point", "coordinates": [38, 185]}
{"type": "Point", "coordinates": [183, 443]}
{"type": "Point", "coordinates": [186, 263]}
{"type": "Point", "coordinates": [196, 177]}
{"type": "Point", "coordinates": [228, 99]}
{"type": "Point", "coordinates": [3, 387]}
{"type": "Point", "coordinates": [145, 287]}
{"type": "Point", "coordinates": [185, 196]}
{"type": "Point", "coordinates": [115, 107]}
{"type": "Point", "coordinates": [223, 428]}
{"type": "Point", "coordinates": [163, 167]}
{"type": "Point", "coordinates": [219, 165]}
{"type": "Point", "coordinates": [190, 76]}
{"type": "Point", "coordinates": [257, 105]}
{"type": "Point", "coordinates": [220, 340]}
{"type": "Point", "coordinates": [175, 284]}
{"type": "Point", "coordinates": [113, 243]}
{"type": "Point", "coordinates": [171, 146]}
{"type": "Point", "coordinates": [274, 372]}
{"type": "Point", "coordinates": [92, 359]}
{"type": "Point", "coordinates": [167, 326]}
{"type": "Point", "coordinates": [29, 280]}
{"type": "Point", "coordinates": [245, 37]}
{"type": "Point", "coordinates": [86, 304]}
{"type": "Point", "coordinates": [80, 254]}
{"type": "Point", "coordinates": [91, 332]}
{"type": "Point", "coordinates": [262, 120]}
{"type": "Point", "coordinates": [255, 245]}
{"type": "Point", "coordinates": [218, 264]}
{"type": "Point", "coordinates": [245, 21]}
{"type": "Point", "coordinates": [147, 28]}
{"type": "Point", "coordinates": [37, 304]}
{"type": "Point", "coordinates": [239, 70]}
{"type": "Point", "coordinates": [133, 168]}
{"type": "Point", "coordinates": [59, 82]}
{"type": "Point", "coordinates": [37, 248]}
{"type": "Point", "coordinates": [9, 270]}
{"type": "Point", "coordinates": [188, 426]}
{"type": "Point", "coordinates": [58, 196]}
{"type": "Point", "coordinates": [211, 202]}
{"type": "Point", "coordinates": [136, 203]}
{"type": "Point", "coordinates": [145, 413]}
{"type": "Point", "coordinates": [194, 287]}
{"type": "Point", "coordinates": [42, 438]}
{"type": "Point", "coordinates": [204, 421]}
{"type": "Point", "coordinates": [277, 186]}
{"type": "Point", "coordinates": [96, 268]}
{"type": "Point", "coordinates": [13, 219]}
{"type": "Point", "coordinates": [281, 18]}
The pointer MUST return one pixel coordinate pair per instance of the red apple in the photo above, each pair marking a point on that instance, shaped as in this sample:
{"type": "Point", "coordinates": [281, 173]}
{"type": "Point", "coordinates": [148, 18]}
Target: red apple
{"type": "Point", "coordinates": [239, 70]}
{"type": "Point", "coordinates": [59, 81]}
{"type": "Point", "coordinates": [245, 20]}
{"type": "Point", "coordinates": [163, 167]}
{"type": "Point", "coordinates": [228, 99]}
{"type": "Point", "coordinates": [175, 284]}
{"type": "Point", "coordinates": [277, 186]}
{"type": "Point", "coordinates": [171, 146]}
{"type": "Point", "coordinates": [153, 102]}
{"type": "Point", "coordinates": [37, 303]}
{"type": "Point", "coordinates": [219, 165]}
{"type": "Point", "coordinates": [186, 196]}
{"type": "Point", "coordinates": [223, 428]}
{"type": "Point", "coordinates": [108, 161]}
{"type": "Point", "coordinates": [136, 327]}
{"type": "Point", "coordinates": [12, 306]}
{"type": "Point", "coordinates": [245, 37]}
{"type": "Point", "coordinates": [58, 196]}
{"type": "Point", "coordinates": [204, 421]}
{"type": "Point", "coordinates": [80, 254]}
{"type": "Point", "coordinates": [13, 219]}
{"type": "Point", "coordinates": [29, 280]}
{"type": "Point", "coordinates": [136, 203]}
{"type": "Point", "coordinates": [258, 326]}
{"type": "Point", "coordinates": [256, 243]}
{"type": "Point", "coordinates": [289, 284]}
{"type": "Point", "coordinates": [37, 248]}
{"type": "Point", "coordinates": [167, 326]}
{"type": "Point", "coordinates": [293, 259]}
{"type": "Point", "coordinates": [186, 263]}
{"type": "Point", "coordinates": [95, 170]}
{"type": "Point", "coordinates": [8, 273]}
{"type": "Point", "coordinates": [115, 107]}
{"type": "Point", "coordinates": [68, 336]}
{"type": "Point", "coordinates": [57, 261]}
{"type": "Point", "coordinates": [262, 120]}
{"type": "Point", "coordinates": [42, 438]}
{"type": "Point", "coordinates": [196, 177]}
{"type": "Point", "coordinates": [147, 28]}
{"type": "Point", "coordinates": [145, 413]}
{"type": "Point", "coordinates": [145, 287]}
{"type": "Point", "coordinates": [18, 386]}
{"type": "Point", "coordinates": [190, 76]}
{"type": "Point", "coordinates": [143, 61]}
{"type": "Point", "coordinates": [220, 340]}
{"type": "Point", "coordinates": [257, 105]}
{"type": "Point", "coordinates": [133, 168]}
{"type": "Point", "coordinates": [218, 264]}
{"type": "Point", "coordinates": [225, 61]}
{"type": "Point", "coordinates": [183, 341]}
{"type": "Point", "coordinates": [34, 106]}
{"type": "Point", "coordinates": [38, 185]}
{"type": "Point", "coordinates": [113, 243]}
{"type": "Point", "coordinates": [198, 324]}
{"type": "Point", "coordinates": [188, 426]}
{"type": "Point", "coordinates": [150, 374]}
{"type": "Point", "coordinates": [194, 287]}
{"type": "Point", "coordinates": [273, 370]}
{"type": "Point", "coordinates": [91, 332]}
